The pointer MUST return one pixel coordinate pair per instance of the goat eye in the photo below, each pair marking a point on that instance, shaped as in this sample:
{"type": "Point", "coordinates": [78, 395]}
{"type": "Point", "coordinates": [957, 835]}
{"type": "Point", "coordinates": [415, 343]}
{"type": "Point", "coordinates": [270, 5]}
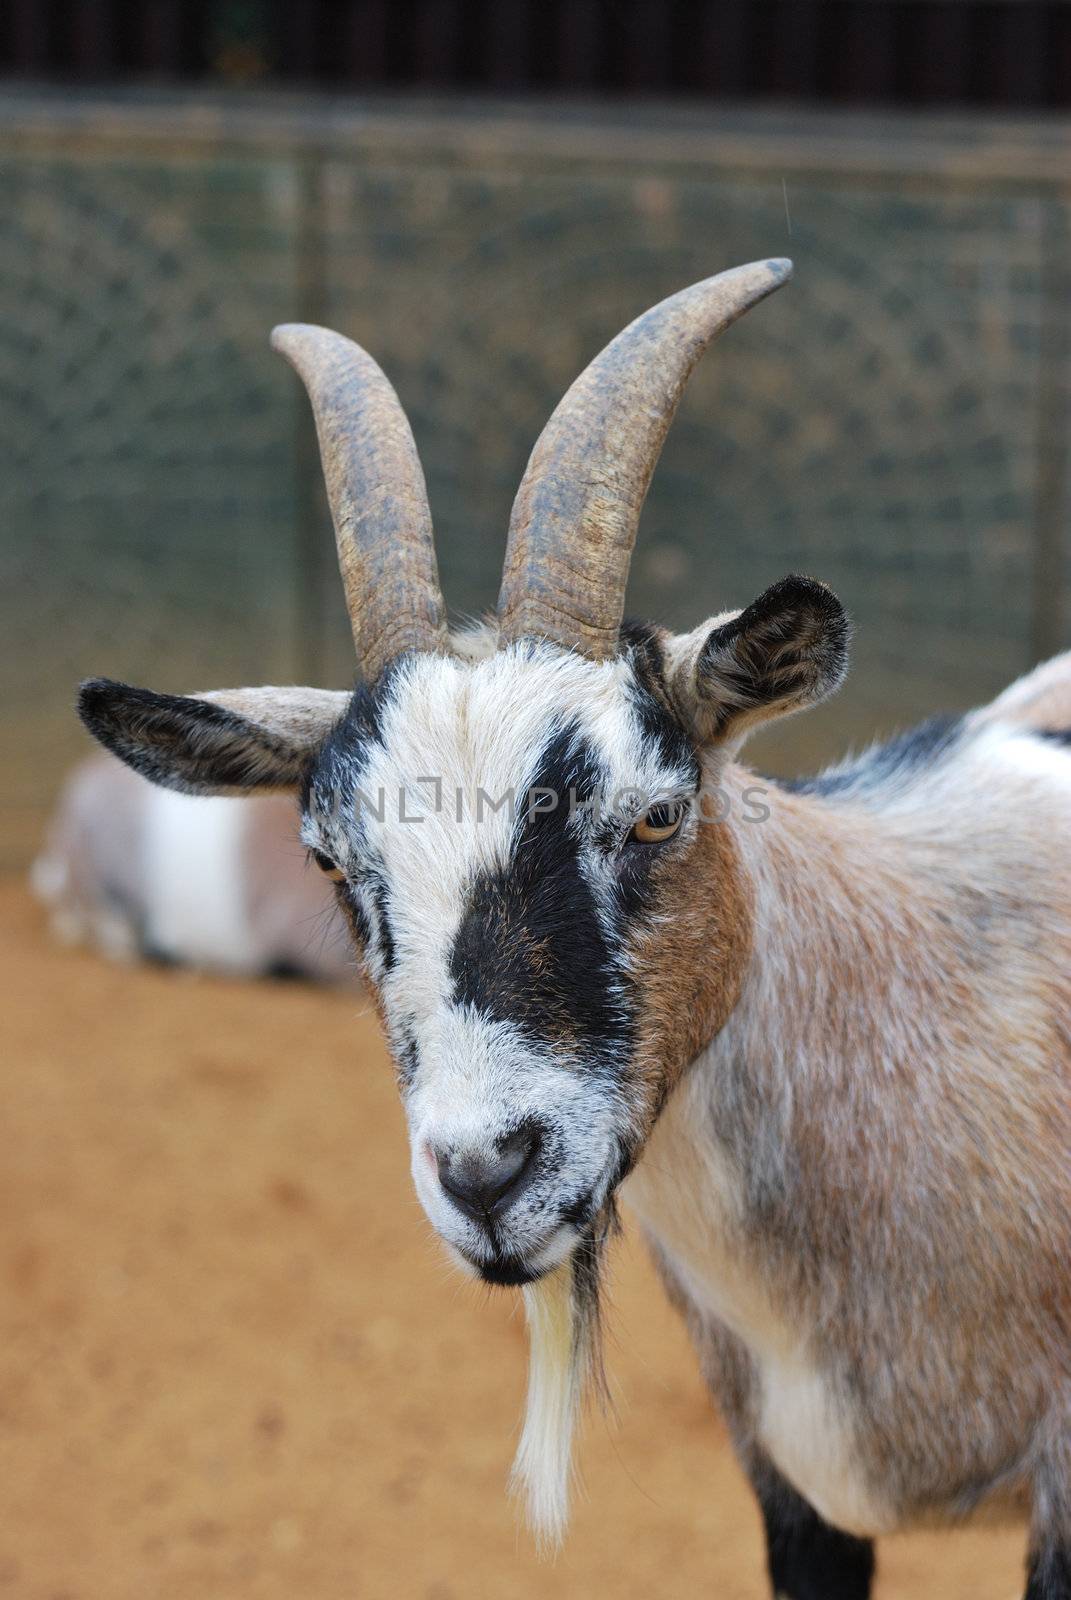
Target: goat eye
{"type": "Point", "coordinates": [328, 868]}
{"type": "Point", "coordinates": [658, 824]}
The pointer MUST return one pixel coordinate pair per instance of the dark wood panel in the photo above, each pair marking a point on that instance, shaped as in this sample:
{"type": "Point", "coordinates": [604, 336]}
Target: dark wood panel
{"type": "Point", "coordinates": [1001, 53]}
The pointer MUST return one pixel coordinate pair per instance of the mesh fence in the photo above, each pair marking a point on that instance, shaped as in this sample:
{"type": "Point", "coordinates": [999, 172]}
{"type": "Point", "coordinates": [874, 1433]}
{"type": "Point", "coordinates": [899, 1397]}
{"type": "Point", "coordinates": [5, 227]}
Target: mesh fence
{"type": "Point", "coordinates": [896, 421]}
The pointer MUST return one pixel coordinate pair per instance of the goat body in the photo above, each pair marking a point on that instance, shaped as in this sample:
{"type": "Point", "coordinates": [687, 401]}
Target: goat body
{"type": "Point", "coordinates": [860, 1192]}
{"type": "Point", "coordinates": [222, 885]}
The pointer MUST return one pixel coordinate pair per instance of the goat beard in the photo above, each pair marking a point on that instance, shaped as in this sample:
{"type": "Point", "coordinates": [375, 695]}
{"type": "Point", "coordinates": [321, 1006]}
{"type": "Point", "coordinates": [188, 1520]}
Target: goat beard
{"type": "Point", "coordinates": [565, 1365]}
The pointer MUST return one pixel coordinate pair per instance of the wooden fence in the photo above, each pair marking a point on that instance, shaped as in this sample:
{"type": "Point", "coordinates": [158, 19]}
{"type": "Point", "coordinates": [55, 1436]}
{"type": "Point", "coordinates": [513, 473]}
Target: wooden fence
{"type": "Point", "coordinates": [995, 53]}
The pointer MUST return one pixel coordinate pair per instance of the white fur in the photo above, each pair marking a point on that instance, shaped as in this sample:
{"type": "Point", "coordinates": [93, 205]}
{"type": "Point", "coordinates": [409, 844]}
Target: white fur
{"type": "Point", "coordinates": [543, 1468]}
{"type": "Point", "coordinates": [807, 1429]}
{"type": "Point", "coordinates": [1042, 760]}
{"type": "Point", "coordinates": [193, 854]}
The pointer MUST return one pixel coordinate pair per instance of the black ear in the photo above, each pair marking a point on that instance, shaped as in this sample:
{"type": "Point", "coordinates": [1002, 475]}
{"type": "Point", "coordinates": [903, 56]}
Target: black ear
{"type": "Point", "coordinates": [229, 742]}
{"type": "Point", "coordinates": [786, 650]}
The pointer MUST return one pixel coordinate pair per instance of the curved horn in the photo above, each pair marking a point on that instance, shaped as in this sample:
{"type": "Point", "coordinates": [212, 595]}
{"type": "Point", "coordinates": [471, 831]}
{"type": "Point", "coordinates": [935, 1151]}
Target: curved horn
{"type": "Point", "coordinates": [377, 495]}
{"type": "Point", "coordinates": [578, 507]}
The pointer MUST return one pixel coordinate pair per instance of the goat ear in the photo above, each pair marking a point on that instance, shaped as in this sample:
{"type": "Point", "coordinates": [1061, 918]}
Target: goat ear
{"type": "Point", "coordinates": [231, 741]}
{"type": "Point", "coordinates": [785, 651]}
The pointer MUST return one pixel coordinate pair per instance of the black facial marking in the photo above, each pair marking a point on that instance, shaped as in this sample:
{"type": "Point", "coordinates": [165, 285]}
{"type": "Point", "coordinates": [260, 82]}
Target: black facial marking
{"type": "Point", "coordinates": [1057, 736]}
{"type": "Point", "coordinates": [579, 1211]}
{"type": "Point", "coordinates": [650, 701]}
{"type": "Point", "coordinates": [381, 900]}
{"type": "Point", "coordinates": [354, 913]}
{"type": "Point", "coordinates": [332, 788]}
{"type": "Point", "coordinates": [507, 1272]}
{"type": "Point", "coordinates": [887, 763]}
{"type": "Point", "coordinates": [531, 949]}
{"type": "Point", "coordinates": [662, 730]}
{"type": "Point", "coordinates": [406, 1054]}
{"type": "Point", "coordinates": [808, 1559]}
{"type": "Point", "coordinates": [640, 641]}
{"type": "Point", "coordinates": [637, 866]}
{"type": "Point", "coordinates": [636, 885]}
{"type": "Point", "coordinates": [344, 753]}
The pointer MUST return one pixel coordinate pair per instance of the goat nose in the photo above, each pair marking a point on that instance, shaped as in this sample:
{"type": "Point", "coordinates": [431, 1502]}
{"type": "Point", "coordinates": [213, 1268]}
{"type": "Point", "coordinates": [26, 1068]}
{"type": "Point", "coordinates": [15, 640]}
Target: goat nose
{"type": "Point", "coordinates": [484, 1186]}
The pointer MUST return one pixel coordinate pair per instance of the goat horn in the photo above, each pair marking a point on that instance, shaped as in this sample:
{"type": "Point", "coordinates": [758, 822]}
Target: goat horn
{"type": "Point", "coordinates": [377, 495]}
{"type": "Point", "coordinates": [578, 507]}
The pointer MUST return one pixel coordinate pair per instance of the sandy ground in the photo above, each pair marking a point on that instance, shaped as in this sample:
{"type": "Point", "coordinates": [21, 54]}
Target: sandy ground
{"type": "Point", "coordinates": [234, 1365]}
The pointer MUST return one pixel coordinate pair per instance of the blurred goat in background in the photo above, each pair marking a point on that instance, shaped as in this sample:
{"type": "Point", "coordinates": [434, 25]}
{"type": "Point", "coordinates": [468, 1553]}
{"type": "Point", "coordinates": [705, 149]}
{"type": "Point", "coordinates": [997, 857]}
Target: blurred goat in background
{"type": "Point", "coordinates": [223, 885]}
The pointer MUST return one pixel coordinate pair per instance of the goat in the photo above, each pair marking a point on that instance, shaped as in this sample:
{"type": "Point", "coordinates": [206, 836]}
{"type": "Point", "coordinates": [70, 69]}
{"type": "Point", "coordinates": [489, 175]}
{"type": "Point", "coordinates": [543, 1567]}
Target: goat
{"type": "Point", "coordinates": [140, 872]}
{"type": "Point", "coordinates": [821, 1042]}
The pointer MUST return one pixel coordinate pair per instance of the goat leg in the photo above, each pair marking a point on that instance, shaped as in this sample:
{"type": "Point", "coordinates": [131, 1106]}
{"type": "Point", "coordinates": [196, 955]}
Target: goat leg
{"type": "Point", "coordinates": [808, 1559]}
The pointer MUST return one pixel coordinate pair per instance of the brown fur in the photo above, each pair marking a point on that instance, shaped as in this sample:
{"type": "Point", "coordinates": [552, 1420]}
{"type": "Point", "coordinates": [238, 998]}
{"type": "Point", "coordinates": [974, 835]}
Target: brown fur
{"type": "Point", "coordinates": [890, 1104]}
{"type": "Point", "coordinates": [690, 961]}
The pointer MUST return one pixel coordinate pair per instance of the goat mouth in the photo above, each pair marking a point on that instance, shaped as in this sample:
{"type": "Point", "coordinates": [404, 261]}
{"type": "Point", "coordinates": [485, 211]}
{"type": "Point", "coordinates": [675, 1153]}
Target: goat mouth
{"type": "Point", "coordinates": [505, 1268]}
{"type": "Point", "coordinates": [508, 1272]}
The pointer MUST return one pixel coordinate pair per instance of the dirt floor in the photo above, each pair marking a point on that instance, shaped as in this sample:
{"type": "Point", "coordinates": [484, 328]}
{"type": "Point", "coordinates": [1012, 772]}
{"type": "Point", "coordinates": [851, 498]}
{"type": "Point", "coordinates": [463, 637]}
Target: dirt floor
{"type": "Point", "coordinates": [235, 1366]}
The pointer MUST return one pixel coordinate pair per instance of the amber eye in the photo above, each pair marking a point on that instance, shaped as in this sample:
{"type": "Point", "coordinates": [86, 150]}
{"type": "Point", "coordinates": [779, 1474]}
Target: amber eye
{"type": "Point", "coordinates": [658, 824]}
{"type": "Point", "coordinates": [328, 868]}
